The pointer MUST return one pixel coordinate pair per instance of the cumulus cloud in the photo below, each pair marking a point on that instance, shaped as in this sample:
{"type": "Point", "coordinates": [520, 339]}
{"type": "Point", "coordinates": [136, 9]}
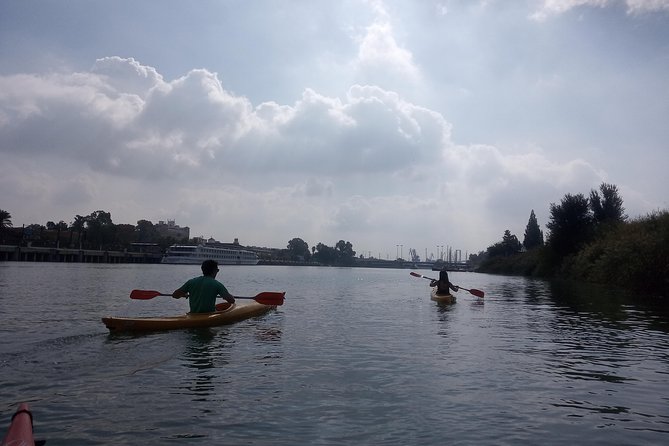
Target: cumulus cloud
{"type": "Point", "coordinates": [353, 164]}
{"type": "Point", "coordinates": [127, 75]}
{"type": "Point", "coordinates": [554, 7]}
{"type": "Point", "coordinates": [381, 59]}
{"type": "Point", "coordinates": [194, 123]}
{"type": "Point", "coordinates": [378, 51]}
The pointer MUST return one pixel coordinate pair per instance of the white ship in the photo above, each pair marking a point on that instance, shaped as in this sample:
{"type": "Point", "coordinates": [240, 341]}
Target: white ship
{"type": "Point", "coordinates": [195, 255]}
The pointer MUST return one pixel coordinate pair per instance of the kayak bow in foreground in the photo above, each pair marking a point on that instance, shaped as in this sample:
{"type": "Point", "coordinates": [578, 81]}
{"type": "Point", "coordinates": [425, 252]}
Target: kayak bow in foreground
{"type": "Point", "coordinates": [20, 430]}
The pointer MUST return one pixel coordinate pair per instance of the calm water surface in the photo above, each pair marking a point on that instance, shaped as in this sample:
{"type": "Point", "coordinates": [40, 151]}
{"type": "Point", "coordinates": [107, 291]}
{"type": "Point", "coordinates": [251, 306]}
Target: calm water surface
{"type": "Point", "coordinates": [355, 356]}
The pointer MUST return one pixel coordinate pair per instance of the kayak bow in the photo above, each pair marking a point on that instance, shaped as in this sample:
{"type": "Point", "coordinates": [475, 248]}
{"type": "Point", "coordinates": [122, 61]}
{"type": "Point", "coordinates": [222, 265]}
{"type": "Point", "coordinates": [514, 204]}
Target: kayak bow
{"type": "Point", "coordinates": [20, 430]}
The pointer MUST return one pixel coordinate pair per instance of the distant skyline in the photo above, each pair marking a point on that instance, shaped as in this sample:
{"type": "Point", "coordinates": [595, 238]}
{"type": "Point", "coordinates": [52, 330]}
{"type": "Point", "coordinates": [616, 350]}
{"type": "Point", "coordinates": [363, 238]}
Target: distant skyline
{"type": "Point", "coordinates": [382, 123]}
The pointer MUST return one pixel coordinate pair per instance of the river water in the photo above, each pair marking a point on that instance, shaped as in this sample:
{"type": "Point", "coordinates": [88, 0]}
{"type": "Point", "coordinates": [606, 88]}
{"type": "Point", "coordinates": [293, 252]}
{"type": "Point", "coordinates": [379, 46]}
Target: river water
{"type": "Point", "coordinates": [355, 356]}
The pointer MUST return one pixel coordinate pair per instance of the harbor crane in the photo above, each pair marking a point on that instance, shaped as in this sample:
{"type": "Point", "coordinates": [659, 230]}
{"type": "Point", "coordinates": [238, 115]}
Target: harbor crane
{"type": "Point", "coordinates": [414, 256]}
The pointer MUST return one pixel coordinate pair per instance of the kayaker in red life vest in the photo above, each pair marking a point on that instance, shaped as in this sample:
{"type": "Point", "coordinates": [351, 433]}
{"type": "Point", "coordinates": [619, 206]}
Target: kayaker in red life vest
{"type": "Point", "coordinates": [202, 291]}
{"type": "Point", "coordinates": [444, 286]}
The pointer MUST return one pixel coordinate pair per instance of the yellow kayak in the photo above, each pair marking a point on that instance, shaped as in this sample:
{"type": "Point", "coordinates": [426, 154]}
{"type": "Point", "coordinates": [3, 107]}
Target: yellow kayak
{"type": "Point", "coordinates": [226, 314]}
{"type": "Point", "coordinates": [442, 298]}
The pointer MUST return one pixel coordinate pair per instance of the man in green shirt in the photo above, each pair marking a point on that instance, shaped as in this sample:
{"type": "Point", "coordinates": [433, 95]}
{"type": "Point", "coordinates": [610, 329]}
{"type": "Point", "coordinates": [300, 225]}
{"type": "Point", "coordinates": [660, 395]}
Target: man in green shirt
{"type": "Point", "coordinates": [202, 291]}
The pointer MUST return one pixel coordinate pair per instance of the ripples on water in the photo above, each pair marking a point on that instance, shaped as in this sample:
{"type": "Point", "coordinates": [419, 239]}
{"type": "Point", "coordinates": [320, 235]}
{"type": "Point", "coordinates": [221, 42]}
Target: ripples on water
{"type": "Point", "coordinates": [354, 357]}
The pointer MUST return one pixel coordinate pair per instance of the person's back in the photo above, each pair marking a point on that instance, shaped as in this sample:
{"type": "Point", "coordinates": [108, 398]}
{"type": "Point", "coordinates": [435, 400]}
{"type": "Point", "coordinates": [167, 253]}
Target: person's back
{"type": "Point", "coordinates": [202, 291]}
{"type": "Point", "coordinates": [444, 286]}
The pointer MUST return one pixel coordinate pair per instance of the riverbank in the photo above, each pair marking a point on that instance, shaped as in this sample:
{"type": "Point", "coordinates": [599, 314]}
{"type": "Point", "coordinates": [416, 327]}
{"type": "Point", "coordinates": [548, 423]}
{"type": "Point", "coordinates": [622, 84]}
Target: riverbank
{"type": "Point", "coordinates": [71, 255]}
{"type": "Point", "coordinates": [634, 255]}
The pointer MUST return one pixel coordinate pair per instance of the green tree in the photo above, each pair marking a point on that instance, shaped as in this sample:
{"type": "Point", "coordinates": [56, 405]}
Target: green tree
{"type": "Point", "coordinates": [511, 243]}
{"type": "Point", "coordinates": [77, 226]}
{"type": "Point", "coordinates": [58, 227]}
{"type": "Point", "coordinates": [61, 225]}
{"type": "Point", "coordinates": [146, 232]}
{"type": "Point", "coordinates": [607, 209]}
{"type": "Point", "coordinates": [344, 253]}
{"type": "Point", "coordinates": [570, 224]}
{"type": "Point", "coordinates": [124, 235]}
{"type": "Point", "coordinates": [533, 235]}
{"type": "Point", "coordinates": [5, 219]}
{"type": "Point", "coordinates": [325, 254]}
{"type": "Point", "coordinates": [100, 229]}
{"type": "Point", "coordinates": [298, 249]}
{"type": "Point", "coordinates": [508, 246]}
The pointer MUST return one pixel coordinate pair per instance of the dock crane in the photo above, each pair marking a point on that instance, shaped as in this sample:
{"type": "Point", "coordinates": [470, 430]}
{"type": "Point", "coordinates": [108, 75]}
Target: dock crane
{"type": "Point", "coordinates": [414, 256]}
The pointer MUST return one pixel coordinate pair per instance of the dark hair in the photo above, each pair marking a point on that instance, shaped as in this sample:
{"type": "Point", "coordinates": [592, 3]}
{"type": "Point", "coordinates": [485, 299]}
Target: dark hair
{"type": "Point", "coordinates": [443, 275]}
{"type": "Point", "coordinates": [209, 267]}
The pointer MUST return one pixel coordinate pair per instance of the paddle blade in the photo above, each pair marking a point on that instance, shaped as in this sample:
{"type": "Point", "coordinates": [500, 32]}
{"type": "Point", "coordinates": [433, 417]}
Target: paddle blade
{"type": "Point", "coordinates": [477, 293]}
{"type": "Point", "coordinates": [421, 276]}
{"type": "Point", "coordinates": [145, 294]}
{"type": "Point", "coordinates": [270, 298]}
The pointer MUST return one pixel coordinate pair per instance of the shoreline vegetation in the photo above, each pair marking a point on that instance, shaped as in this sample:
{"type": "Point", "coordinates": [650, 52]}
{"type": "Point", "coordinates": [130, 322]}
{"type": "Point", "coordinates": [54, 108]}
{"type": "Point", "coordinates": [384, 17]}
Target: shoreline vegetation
{"type": "Point", "coordinates": [591, 240]}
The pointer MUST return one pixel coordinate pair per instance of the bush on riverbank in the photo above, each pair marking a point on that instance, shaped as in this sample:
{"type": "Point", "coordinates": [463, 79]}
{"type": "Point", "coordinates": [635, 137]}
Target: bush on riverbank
{"type": "Point", "coordinates": [528, 263]}
{"type": "Point", "coordinates": [634, 254]}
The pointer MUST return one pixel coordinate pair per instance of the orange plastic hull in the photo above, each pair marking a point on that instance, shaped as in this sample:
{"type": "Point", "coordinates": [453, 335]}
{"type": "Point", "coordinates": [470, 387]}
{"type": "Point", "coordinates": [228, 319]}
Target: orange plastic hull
{"type": "Point", "coordinates": [229, 315]}
{"type": "Point", "coordinates": [442, 298]}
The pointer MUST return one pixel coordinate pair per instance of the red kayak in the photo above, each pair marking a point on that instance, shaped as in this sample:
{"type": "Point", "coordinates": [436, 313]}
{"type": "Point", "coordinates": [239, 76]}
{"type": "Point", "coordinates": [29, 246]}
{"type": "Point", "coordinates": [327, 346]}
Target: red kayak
{"type": "Point", "coordinates": [21, 428]}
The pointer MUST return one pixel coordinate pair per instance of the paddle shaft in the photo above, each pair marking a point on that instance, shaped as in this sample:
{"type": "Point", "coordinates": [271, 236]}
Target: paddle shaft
{"type": "Point", "coordinates": [473, 291]}
{"type": "Point", "coordinates": [266, 297]}
{"type": "Point", "coordinates": [164, 294]}
{"type": "Point", "coordinates": [236, 297]}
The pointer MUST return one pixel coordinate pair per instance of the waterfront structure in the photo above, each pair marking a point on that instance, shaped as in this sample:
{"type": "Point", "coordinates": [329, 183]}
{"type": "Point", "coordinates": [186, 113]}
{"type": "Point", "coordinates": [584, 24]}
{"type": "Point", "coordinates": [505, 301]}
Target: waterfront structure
{"type": "Point", "coordinates": [70, 255]}
{"type": "Point", "coordinates": [195, 255]}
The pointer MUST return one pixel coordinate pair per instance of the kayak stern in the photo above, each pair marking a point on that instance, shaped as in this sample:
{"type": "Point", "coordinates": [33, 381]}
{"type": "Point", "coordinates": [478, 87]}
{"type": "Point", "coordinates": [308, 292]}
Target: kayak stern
{"type": "Point", "coordinates": [442, 298]}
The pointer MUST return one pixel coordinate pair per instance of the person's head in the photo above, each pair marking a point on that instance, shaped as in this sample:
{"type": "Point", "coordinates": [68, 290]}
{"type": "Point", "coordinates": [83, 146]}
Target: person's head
{"type": "Point", "coordinates": [209, 267]}
{"type": "Point", "coordinates": [443, 275]}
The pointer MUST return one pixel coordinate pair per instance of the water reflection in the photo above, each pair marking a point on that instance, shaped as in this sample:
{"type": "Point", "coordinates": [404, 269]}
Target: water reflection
{"type": "Point", "coordinates": [591, 300]}
{"type": "Point", "coordinates": [585, 405]}
{"type": "Point", "coordinates": [205, 351]}
{"type": "Point", "coordinates": [477, 304]}
{"type": "Point", "coordinates": [268, 335]}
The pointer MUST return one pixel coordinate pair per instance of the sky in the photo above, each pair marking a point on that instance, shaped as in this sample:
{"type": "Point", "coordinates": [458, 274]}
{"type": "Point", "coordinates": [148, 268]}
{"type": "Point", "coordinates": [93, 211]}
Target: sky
{"type": "Point", "coordinates": [394, 125]}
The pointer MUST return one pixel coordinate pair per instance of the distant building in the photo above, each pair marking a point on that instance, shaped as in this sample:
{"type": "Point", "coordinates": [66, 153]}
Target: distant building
{"type": "Point", "coordinates": [170, 229]}
{"type": "Point", "coordinates": [212, 242]}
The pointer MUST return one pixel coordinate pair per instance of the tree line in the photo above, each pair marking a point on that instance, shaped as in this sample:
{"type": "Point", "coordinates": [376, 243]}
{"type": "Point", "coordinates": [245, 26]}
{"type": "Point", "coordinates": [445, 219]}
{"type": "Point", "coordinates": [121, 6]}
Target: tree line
{"type": "Point", "coordinates": [341, 254]}
{"type": "Point", "coordinates": [98, 231]}
{"type": "Point", "coordinates": [589, 238]}
{"type": "Point", "coordinates": [93, 231]}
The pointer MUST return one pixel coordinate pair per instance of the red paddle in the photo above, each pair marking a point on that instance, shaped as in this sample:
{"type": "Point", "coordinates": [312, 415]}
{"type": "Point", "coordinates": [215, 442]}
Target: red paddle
{"type": "Point", "coordinates": [475, 292]}
{"type": "Point", "coordinates": [266, 297]}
